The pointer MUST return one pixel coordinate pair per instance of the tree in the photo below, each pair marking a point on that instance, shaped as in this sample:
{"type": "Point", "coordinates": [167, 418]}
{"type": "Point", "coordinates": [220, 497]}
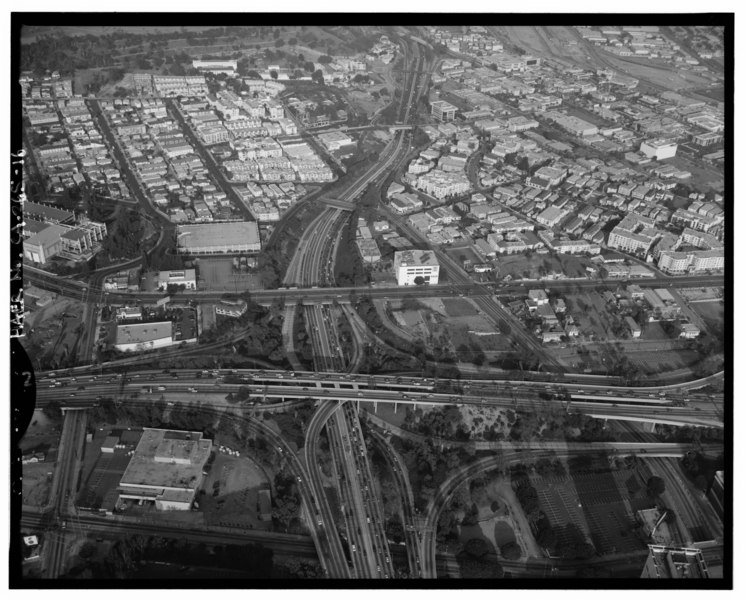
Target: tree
{"type": "Point", "coordinates": [318, 77]}
{"type": "Point", "coordinates": [419, 280]}
{"type": "Point", "coordinates": [655, 486]}
{"type": "Point", "coordinates": [325, 59]}
{"type": "Point", "coordinates": [476, 547]}
{"type": "Point", "coordinates": [273, 74]}
{"type": "Point", "coordinates": [511, 551]}
{"type": "Point", "coordinates": [309, 66]}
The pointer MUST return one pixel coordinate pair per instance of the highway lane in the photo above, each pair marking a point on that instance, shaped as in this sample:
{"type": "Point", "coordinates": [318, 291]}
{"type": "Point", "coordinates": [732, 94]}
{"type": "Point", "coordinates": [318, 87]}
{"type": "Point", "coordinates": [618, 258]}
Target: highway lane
{"type": "Point", "coordinates": [477, 387]}
{"type": "Point", "coordinates": [672, 408]}
{"type": "Point", "coordinates": [373, 523]}
{"type": "Point", "coordinates": [400, 477]}
{"type": "Point", "coordinates": [357, 535]}
{"type": "Point", "coordinates": [338, 567]}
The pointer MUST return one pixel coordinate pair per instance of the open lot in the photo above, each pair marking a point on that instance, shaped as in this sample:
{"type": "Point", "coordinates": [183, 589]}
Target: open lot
{"type": "Point", "coordinates": [52, 332]}
{"type": "Point", "coordinates": [459, 307]}
{"type": "Point", "coordinates": [712, 312]}
{"type": "Point", "coordinates": [231, 493]}
{"type": "Point", "coordinates": [217, 273]}
{"type": "Point", "coordinates": [706, 294]}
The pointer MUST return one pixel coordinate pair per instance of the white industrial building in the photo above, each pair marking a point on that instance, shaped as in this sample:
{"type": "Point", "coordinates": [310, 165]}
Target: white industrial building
{"type": "Point", "coordinates": [185, 277]}
{"type": "Point", "coordinates": [218, 238]}
{"type": "Point", "coordinates": [134, 337]}
{"type": "Point", "coordinates": [410, 264]}
{"type": "Point", "coordinates": [658, 149]}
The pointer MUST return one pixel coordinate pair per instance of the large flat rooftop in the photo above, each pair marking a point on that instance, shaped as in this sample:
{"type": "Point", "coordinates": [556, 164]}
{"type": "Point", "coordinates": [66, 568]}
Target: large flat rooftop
{"type": "Point", "coordinates": [168, 459]}
{"type": "Point", "coordinates": [135, 333]}
{"type": "Point", "coordinates": [217, 234]}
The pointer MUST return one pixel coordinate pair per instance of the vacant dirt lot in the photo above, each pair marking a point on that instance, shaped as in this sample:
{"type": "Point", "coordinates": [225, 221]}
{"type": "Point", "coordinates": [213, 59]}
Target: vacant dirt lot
{"type": "Point", "coordinates": [231, 493]}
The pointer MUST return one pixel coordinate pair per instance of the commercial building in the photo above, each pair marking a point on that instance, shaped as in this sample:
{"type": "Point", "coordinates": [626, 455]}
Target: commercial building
{"type": "Point", "coordinates": [634, 328]}
{"type": "Point", "coordinates": [218, 238]}
{"type": "Point", "coordinates": [410, 264]}
{"type": "Point", "coordinates": [689, 331]}
{"type": "Point", "coordinates": [229, 67]}
{"type": "Point", "coordinates": [443, 111]}
{"type": "Point", "coordinates": [134, 337]}
{"type": "Point", "coordinates": [186, 277]}
{"type": "Point", "coordinates": [667, 562]}
{"type": "Point", "coordinates": [129, 313]}
{"type": "Point", "coordinates": [658, 149]}
{"type": "Point", "coordinates": [573, 125]}
{"type": "Point", "coordinates": [369, 250]}
{"type": "Point", "coordinates": [335, 140]}
{"type": "Point", "coordinates": [166, 469]}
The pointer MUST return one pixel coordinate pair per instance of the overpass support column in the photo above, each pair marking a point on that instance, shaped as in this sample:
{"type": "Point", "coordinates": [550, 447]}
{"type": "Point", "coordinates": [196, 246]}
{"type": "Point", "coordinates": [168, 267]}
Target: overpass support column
{"type": "Point", "coordinates": [649, 427]}
{"type": "Point", "coordinates": [395, 407]}
{"type": "Point", "coordinates": [375, 406]}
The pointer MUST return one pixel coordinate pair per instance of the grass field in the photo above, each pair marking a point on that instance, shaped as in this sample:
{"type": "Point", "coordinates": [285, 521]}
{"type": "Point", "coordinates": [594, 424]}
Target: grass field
{"type": "Point", "coordinates": [459, 307]}
{"type": "Point", "coordinates": [711, 312]}
{"type": "Point", "coordinates": [218, 274]}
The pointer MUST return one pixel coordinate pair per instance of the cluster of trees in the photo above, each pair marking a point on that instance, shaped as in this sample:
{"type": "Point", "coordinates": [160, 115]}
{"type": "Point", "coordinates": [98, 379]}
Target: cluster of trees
{"type": "Point", "coordinates": [124, 239]}
{"type": "Point", "coordinates": [287, 501]}
{"type": "Point", "coordinates": [446, 423]}
{"type": "Point", "coordinates": [126, 554]}
{"type": "Point", "coordinates": [348, 267]}
{"type": "Point", "coordinates": [263, 332]}
{"type": "Point", "coordinates": [303, 344]}
{"type": "Point", "coordinates": [528, 497]}
{"type": "Point", "coordinates": [701, 469]}
{"type": "Point", "coordinates": [429, 466]}
{"type": "Point", "coordinates": [301, 569]}
{"type": "Point", "coordinates": [293, 424]}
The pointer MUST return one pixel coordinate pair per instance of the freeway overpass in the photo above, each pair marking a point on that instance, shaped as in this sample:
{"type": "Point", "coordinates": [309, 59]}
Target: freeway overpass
{"type": "Point", "coordinates": [672, 408]}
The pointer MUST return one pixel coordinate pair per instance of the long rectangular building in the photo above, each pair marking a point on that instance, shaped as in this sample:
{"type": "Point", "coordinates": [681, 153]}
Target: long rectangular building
{"type": "Point", "coordinates": [218, 238]}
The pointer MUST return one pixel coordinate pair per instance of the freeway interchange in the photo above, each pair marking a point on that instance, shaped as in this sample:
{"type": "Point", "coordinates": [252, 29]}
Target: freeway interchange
{"type": "Point", "coordinates": [352, 542]}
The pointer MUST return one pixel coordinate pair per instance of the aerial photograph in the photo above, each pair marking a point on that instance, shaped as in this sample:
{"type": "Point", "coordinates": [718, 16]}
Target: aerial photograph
{"type": "Point", "coordinates": [424, 301]}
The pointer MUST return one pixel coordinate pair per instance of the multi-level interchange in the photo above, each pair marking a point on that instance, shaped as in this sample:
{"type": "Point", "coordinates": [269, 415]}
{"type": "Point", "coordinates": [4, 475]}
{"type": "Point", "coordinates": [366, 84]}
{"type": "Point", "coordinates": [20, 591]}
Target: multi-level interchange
{"type": "Point", "coordinates": [375, 303]}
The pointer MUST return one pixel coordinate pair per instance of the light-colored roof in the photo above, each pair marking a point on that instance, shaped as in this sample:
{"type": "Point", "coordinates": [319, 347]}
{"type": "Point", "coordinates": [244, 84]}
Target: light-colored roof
{"type": "Point", "coordinates": [415, 258]}
{"type": "Point", "coordinates": [135, 333]}
{"type": "Point", "coordinates": [218, 234]}
{"type": "Point", "coordinates": [145, 469]}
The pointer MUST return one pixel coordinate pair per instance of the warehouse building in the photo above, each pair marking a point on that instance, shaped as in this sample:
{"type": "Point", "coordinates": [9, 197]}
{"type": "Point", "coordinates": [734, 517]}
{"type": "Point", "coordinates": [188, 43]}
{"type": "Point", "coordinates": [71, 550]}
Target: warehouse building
{"type": "Point", "coordinates": [134, 337]}
{"type": "Point", "coordinates": [219, 238]}
{"type": "Point", "coordinates": [166, 469]}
